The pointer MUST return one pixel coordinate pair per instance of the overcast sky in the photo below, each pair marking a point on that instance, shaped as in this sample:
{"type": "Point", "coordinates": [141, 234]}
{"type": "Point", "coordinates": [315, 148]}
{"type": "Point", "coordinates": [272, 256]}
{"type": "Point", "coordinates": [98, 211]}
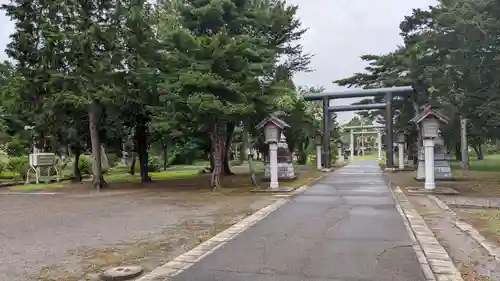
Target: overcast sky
{"type": "Point", "coordinates": [340, 31]}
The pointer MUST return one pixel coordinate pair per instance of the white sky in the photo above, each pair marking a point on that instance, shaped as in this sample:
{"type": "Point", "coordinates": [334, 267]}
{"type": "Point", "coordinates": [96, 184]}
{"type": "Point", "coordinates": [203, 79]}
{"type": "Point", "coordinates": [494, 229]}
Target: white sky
{"type": "Point", "coordinates": [340, 31]}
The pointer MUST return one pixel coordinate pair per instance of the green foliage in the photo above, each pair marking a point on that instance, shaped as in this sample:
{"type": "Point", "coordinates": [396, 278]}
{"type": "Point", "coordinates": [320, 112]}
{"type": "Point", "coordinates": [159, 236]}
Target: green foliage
{"type": "Point", "coordinates": [155, 163]}
{"type": "Point", "coordinates": [85, 164]}
{"type": "Point", "coordinates": [184, 153]}
{"type": "Point", "coordinates": [86, 72]}
{"type": "Point", "coordinates": [3, 168]}
{"type": "Point", "coordinates": [17, 146]}
{"type": "Point", "coordinates": [19, 166]}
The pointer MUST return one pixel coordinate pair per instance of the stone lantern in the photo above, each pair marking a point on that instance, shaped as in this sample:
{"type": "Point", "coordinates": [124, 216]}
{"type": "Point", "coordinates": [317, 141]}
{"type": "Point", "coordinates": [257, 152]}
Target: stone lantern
{"type": "Point", "coordinates": [318, 139]}
{"type": "Point", "coordinates": [429, 121]}
{"type": "Point", "coordinates": [273, 127]}
{"type": "Point", "coordinates": [400, 140]}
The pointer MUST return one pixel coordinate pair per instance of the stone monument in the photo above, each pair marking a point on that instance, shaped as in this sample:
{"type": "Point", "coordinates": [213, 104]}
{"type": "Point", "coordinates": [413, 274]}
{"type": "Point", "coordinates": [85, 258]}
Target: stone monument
{"type": "Point", "coordinates": [286, 170]}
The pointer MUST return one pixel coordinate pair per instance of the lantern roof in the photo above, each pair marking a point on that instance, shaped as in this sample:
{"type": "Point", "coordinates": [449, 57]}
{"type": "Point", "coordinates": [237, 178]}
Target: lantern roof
{"type": "Point", "coordinates": [429, 111]}
{"type": "Point", "coordinates": [319, 132]}
{"type": "Point", "coordinates": [272, 119]}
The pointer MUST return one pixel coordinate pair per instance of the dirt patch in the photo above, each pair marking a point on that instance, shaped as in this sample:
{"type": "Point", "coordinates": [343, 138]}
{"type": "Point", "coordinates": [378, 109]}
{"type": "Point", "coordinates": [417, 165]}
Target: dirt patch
{"type": "Point", "coordinates": [473, 262]}
{"type": "Point", "coordinates": [78, 233]}
{"type": "Point", "coordinates": [467, 183]}
{"type": "Point", "coordinates": [469, 274]}
{"type": "Point", "coordinates": [486, 221]}
{"type": "Point", "coordinates": [154, 249]}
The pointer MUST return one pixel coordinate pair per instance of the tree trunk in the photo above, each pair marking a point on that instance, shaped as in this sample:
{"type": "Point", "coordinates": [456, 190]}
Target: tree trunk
{"type": "Point", "coordinates": [97, 177]}
{"type": "Point", "coordinates": [458, 154]}
{"type": "Point", "coordinates": [244, 145]}
{"type": "Point", "coordinates": [142, 150]}
{"type": "Point", "coordinates": [218, 139]}
{"type": "Point", "coordinates": [479, 151]}
{"type": "Point", "coordinates": [77, 175]}
{"type": "Point", "coordinates": [165, 155]}
{"type": "Point", "coordinates": [133, 157]}
{"type": "Point", "coordinates": [229, 137]}
{"type": "Point", "coordinates": [302, 157]}
{"type": "Point", "coordinates": [211, 158]}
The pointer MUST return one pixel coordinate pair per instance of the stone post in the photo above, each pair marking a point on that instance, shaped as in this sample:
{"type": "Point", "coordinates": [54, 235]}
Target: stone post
{"type": "Point", "coordinates": [318, 157]}
{"type": "Point", "coordinates": [273, 165]}
{"type": "Point", "coordinates": [401, 155]}
{"type": "Point", "coordinates": [429, 164]}
{"type": "Point", "coordinates": [340, 157]}
{"type": "Point", "coordinates": [379, 144]}
{"type": "Point", "coordinates": [352, 145]}
{"type": "Point", "coordinates": [463, 143]}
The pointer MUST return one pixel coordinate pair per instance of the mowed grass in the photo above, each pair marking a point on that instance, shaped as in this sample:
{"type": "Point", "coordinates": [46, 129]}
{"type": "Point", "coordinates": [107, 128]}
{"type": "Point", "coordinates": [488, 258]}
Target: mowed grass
{"type": "Point", "coordinates": [490, 163]}
{"type": "Point", "coordinates": [367, 156]}
{"type": "Point", "coordinates": [34, 187]}
{"type": "Point", "coordinates": [154, 175]}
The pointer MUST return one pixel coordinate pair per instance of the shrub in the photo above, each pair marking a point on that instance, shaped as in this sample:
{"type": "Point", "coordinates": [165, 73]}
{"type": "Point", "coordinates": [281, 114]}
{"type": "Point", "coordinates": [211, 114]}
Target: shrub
{"type": "Point", "coordinates": [154, 163]}
{"type": "Point", "coordinates": [17, 147]}
{"type": "Point", "coordinates": [18, 166]}
{"type": "Point", "coordinates": [3, 168]}
{"type": "Point", "coordinates": [85, 164]}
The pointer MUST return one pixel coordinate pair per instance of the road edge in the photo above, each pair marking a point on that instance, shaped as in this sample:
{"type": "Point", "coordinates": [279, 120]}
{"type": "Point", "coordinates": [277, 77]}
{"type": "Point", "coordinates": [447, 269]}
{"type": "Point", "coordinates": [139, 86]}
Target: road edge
{"type": "Point", "coordinates": [191, 257]}
{"type": "Point", "coordinates": [434, 261]}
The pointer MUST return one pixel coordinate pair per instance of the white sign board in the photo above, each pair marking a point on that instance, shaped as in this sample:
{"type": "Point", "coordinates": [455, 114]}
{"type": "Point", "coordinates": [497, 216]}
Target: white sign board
{"type": "Point", "coordinates": [42, 159]}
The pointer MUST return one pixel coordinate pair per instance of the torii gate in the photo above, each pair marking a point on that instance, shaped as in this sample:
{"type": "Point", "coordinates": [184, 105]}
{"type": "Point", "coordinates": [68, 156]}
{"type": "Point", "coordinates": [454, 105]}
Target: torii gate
{"type": "Point", "coordinates": [376, 130]}
{"type": "Point", "coordinates": [388, 94]}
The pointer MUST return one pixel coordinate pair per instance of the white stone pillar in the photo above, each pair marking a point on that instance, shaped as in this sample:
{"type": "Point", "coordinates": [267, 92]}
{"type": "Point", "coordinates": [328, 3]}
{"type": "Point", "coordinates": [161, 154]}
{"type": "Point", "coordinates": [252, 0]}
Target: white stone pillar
{"type": "Point", "coordinates": [362, 150]}
{"type": "Point", "coordinates": [340, 157]}
{"type": "Point", "coordinates": [429, 164]}
{"type": "Point", "coordinates": [379, 144]}
{"type": "Point", "coordinates": [352, 145]}
{"type": "Point", "coordinates": [273, 165]}
{"type": "Point", "coordinates": [401, 155]}
{"type": "Point", "coordinates": [318, 157]}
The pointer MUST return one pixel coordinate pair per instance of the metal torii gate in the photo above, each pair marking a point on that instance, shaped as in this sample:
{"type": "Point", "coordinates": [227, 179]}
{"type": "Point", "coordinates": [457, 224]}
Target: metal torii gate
{"type": "Point", "coordinates": [388, 93]}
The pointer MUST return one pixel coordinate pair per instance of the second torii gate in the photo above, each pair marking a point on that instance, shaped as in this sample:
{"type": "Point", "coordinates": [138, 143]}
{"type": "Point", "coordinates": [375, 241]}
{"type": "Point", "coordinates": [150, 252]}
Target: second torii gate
{"type": "Point", "coordinates": [379, 137]}
{"type": "Point", "coordinates": [388, 94]}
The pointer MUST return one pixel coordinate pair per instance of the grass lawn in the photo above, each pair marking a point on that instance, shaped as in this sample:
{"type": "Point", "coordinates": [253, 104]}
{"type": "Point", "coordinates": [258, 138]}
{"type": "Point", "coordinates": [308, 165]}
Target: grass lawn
{"type": "Point", "coordinates": [490, 163]}
{"type": "Point", "coordinates": [33, 187]}
{"type": "Point", "coordinates": [122, 176]}
{"type": "Point", "coordinates": [183, 179]}
{"type": "Point", "coordinates": [367, 156]}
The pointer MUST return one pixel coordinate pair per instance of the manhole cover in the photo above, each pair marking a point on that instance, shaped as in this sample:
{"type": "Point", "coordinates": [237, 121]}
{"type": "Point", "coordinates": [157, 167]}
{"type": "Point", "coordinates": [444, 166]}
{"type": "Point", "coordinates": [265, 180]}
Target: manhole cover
{"type": "Point", "coordinates": [121, 273]}
{"type": "Point", "coordinates": [401, 261]}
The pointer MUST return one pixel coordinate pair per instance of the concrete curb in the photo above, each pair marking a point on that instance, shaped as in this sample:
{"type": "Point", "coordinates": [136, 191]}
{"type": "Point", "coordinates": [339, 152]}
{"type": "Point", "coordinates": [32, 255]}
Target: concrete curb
{"type": "Point", "coordinates": [435, 262]}
{"type": "Point", "coordinates": [490, 248]}
{"type": "Point", "coordinates": [186, 260]}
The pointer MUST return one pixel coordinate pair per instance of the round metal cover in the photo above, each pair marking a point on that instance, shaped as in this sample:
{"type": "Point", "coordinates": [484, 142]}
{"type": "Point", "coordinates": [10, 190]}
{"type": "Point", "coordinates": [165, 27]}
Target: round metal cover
{"type": "Point", "coordinates": [121, 273]}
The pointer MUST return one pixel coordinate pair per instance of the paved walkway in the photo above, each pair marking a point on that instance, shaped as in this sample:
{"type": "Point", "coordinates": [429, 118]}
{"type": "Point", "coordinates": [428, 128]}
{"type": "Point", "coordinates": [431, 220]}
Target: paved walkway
{"type": "Point", "coordinates": [344, 228]}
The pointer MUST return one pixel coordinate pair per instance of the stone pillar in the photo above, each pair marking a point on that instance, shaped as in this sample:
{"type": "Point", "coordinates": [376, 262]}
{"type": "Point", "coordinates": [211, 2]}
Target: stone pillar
{"type": "Point", "coordinates": [401, 155]}
{"type": "Point", "coordinates": [273, 165]}
{"type": "Point", "coordinates": [362, 150]}
{"type": "Point", "coordinates": [352, 145]}
{"type": "Point", "coordinates": [379, 144]}
{"type": "Point", "coordinates": [318, 157]}
{"type": "Point", "coordinates": [340, 157]}
{"type": "Point", "coordinates": [429, 164]}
